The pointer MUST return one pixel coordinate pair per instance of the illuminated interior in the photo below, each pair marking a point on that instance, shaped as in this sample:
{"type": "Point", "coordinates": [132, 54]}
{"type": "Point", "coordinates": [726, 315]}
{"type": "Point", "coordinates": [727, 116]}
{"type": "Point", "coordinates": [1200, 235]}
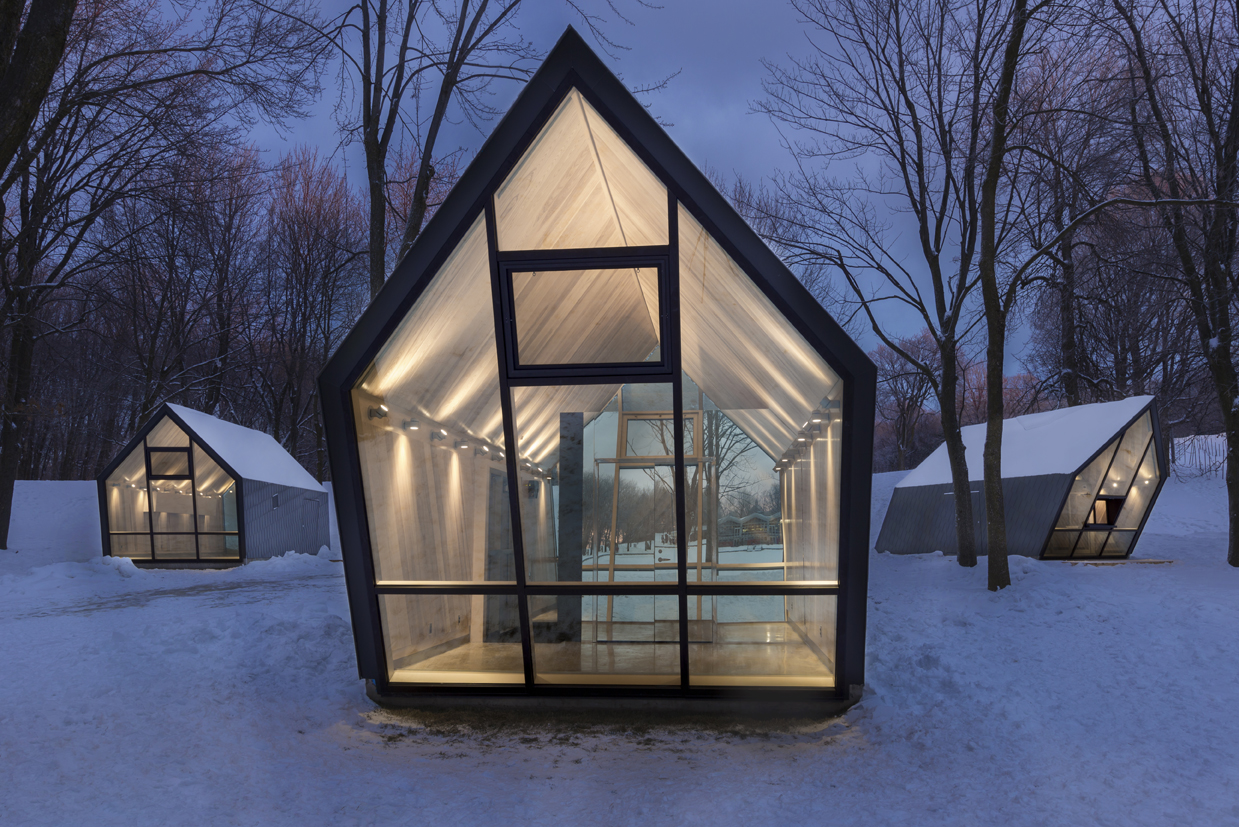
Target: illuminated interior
{"type": "Point", "coordinates": [556, 501]}
{"type": "Point", "coordinates": [169, 500]}
{"type": "Point", "coordinates": [1109, 498]}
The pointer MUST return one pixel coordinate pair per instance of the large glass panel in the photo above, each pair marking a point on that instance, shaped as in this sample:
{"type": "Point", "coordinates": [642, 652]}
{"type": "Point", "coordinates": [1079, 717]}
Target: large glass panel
{"type": "Point", "coordinates": [768, 488]}
{"type": "Point", "coordinates": [1140, 495]}
{"type": "Point", "coordinates": [1119, 543]}
{"type": "Point", "coordinates": [579, 185]}
{"type": "Point", "coordinates": [611, 639]}
{"type": "Point", "coordinates": [219, 546]}
{"type": "Point", "coordinates": [169, 463]}
{"type": "Point", "coordinates": [1084, 490]}
{"type": "Point", "coordinates": [451, 638]}
{"type": "Point", "coordinates": [172, 506]}
{"type": "Point", "coordinates": [586, 316]}
{"type": "Point", "coordinates": [591, 512]}
{"type": "Point", "coordinates": [167, 434]}
{"type": "Point", "coordinates": [216, 494]}
{"type": "Point", "coordinates": [128, 504]}
{"type": "Point", "coordinates": [430, 434]}
{"type": "Point", "coordinates": [1131, 451]}
{"type": "Point", "coordinates": [136, 546]}
{"type": "Point", "coordinates": [763, 641]}
{"type": "Point", "coordinates": [1090, 543]}
{"type": "Point", "coordinates": [175, 547]}
{"type": "Point", "coordinates": [1061, 543]}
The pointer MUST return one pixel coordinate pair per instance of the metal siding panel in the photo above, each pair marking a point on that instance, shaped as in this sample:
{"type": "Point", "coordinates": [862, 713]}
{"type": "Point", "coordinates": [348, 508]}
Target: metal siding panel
{"type": "Point", "coordinates": [299, 524]}
{"type": "Point", "coordinates": [921, 519]}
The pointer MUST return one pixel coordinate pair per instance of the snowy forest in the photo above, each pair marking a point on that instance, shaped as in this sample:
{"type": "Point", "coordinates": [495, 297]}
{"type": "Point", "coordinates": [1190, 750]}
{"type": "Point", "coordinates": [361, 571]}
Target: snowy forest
{"type": "Point", "coordinates": [960, 175]}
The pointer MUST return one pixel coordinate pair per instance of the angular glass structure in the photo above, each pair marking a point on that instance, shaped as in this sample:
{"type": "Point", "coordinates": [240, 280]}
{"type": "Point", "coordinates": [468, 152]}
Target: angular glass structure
{"type": "Point", "coordinates": [1078, 483]}
{"type": "Point", "coordinates": [194, 491]}
{"type": "Point", "coordinates": [593, 436]}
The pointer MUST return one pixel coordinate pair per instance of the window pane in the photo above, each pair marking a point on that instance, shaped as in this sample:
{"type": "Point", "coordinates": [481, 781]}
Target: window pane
{"type": "Point", "coordinates": [762, 641]}
{"type": "Point", "coordinates": [128, 505]}
{"type": "Point", "coordinates": [1141, 492]}
{"type": "Point", "coordinates": [175, 547]}
{"type": "Point", "coordinates": [169, 463]}
{"type": "Point", "coordinates": [172, 506]}
{"type": "Point", "coordinates": [1084, 490]}
{"type": "Point", "coordinates": [451, 638]}
{"type": "Point", "coordinates": [589, 512]}
{"type": "Point", "coordinates": [216, 546]}
{"type": "Point", "coordinates": [611, 639]}
{"type": "Point", "coordinates": [1090, 543]}
{"type": "Point", "coordinates": [1119, 543]}
{"type": "Point", "coordinates": [137, 546]}
{"type": "Point", "coordinates": [430, 434]}
{"type": "Point", "coordinates": [1061, 543]}
{"type": "Point", "coordinates": [772, 428]}
{"type": "Point", "coordinates": [167, 435]}
{"type": "Point", "coordinates": [1131, 451]}
{"type": "Point", "coordinates": [586, 316]}
{"type": "Point", "coordinates": [579, 185]}
{"type": "Point", "coordinates": [216, 494]}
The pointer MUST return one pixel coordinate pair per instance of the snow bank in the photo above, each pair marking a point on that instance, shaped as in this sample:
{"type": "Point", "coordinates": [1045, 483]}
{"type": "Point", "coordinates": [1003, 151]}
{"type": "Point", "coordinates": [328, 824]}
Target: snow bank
{"type": "Point", "coordinates": [53, 522]}
{"type": "Point", "coordinates": [1081, 695]}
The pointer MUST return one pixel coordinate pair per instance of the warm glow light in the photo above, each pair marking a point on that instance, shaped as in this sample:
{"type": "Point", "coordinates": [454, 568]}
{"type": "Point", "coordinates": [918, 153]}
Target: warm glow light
{"type": "Point", "coordinates": [384, 407]}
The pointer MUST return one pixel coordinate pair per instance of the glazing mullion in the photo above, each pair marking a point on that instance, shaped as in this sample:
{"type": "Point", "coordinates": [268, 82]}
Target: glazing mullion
{"type": "Point", "coordinates": [512, 452]}
{"type": "Point", "coordinates": [1101, 486]}
{"type": "Point", "coordinates": [672, 310]}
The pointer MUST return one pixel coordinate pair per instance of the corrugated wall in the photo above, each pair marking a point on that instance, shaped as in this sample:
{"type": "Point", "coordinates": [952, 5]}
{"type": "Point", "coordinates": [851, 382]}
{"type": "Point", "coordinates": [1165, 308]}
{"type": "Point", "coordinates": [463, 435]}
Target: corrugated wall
{"type": "Point", "coordinates": [299, 523]}
{"type": "Point", "coordinates": [922, 519]}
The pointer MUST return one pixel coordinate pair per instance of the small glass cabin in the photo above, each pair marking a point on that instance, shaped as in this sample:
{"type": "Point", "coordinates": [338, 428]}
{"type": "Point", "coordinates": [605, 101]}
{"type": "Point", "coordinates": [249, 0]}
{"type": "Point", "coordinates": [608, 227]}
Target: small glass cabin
{"type": "Point", "coordinates": [553, 429]}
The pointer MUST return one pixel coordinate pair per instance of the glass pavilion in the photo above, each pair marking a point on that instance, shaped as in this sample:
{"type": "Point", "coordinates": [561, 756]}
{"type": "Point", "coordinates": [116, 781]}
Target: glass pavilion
{"type": "Point", "coordinates": [586, 364]}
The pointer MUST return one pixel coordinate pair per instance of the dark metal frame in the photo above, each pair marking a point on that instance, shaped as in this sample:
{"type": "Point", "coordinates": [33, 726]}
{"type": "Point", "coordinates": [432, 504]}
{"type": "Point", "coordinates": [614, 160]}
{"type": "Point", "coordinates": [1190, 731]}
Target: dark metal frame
{"type": "Point", "coordinates": [1157, 444]}
{"type": "Point", "coordinates": [139, 441]}
{"type": "Point", "coordinates": [572, 65]}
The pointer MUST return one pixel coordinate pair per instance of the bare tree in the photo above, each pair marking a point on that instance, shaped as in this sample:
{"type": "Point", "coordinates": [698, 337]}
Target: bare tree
{"type": "Point", "coordinates": [903, 88]}
{"type": "Point", "coordinates": [133, 93]}
{"type": "Point", "coordinates": [903, 392]}
{"type": "Point", "coordinates": [32, 42]}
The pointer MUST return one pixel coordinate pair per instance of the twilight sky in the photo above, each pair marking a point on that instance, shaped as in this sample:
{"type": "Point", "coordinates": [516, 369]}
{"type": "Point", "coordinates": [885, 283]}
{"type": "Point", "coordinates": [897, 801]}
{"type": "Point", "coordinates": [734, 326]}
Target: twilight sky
{"type": "Point", "coordinates": [715, 45]}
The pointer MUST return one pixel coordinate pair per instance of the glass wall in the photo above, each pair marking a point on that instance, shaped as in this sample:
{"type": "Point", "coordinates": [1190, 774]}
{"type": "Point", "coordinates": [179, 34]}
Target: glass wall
{"type": "Point", "coordinates": [1109, 498]}
{"type": "Point", "coordinates": [169, 500]}
{"type": "Point", "coordinates": [578, 356]}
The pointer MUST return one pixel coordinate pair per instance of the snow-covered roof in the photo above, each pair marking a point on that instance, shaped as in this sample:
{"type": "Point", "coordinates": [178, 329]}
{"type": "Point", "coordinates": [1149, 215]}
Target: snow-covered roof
{"type": "Point", "coordinates": [1051, 442]}
{"type": "Point", "coordinates": [252, 454]}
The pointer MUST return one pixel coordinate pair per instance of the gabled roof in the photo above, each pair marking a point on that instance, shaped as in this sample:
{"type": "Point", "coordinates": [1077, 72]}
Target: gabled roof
{"type": "Point", "coordinates": [1033, 445]}
{"type": "Point", "coordinates": [571, 64]}
{"type": "Point", "coordinates": [251, 454]}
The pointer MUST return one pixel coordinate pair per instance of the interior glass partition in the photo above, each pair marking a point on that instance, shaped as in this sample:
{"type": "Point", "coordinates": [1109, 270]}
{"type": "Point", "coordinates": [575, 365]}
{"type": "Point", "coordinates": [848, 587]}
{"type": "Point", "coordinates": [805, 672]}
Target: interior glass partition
{"type": "Point", "coordinates": [1108, 500]}
{"type": "Point", "coordinates": [169, 500]}
{"type": "Point", "coordinates": [554, 384]}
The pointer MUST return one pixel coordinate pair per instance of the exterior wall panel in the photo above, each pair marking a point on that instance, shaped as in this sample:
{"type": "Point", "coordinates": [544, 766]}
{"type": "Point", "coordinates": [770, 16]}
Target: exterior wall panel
{"type": "Point", "coordinates": [921, 520]}
{"type": "Point", "coordinates": [298, 523]}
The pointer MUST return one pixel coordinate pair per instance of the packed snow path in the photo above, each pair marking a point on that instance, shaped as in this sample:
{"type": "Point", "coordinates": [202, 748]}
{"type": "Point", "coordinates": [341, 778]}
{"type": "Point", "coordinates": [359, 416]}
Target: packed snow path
{"type": "Point", "coordinates": [1081, 695]}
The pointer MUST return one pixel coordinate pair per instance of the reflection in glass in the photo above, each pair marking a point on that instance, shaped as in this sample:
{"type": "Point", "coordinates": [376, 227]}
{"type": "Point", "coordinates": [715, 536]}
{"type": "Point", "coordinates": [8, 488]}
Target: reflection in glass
{"type": "Point", "coordinates": [1090, 543]}
{"type": "Point", "coordinates": [136, 546]}
{"type": "Point", "coordinates": [451, 638]}
{"type": "Point", "coordinates": [766, 640]}
{"type": "Point", "coordinates": [614, 639]}
{"type": "Point", "coordinates": [430, 434]}
{"type": "Point", "coordinates": [591, 511]}
{"type": "Point", "coordinates": [586, 316]}
{"type": "Point", "coordinates": [1061, 543]}
{"type": "Point", "coordinates": [175, 547]}
{"type": "Point", "coordinates": [771, 429]}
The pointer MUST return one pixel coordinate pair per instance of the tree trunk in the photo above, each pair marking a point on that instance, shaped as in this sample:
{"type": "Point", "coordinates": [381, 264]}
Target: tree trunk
{"type": "Point", "coordinates": [965, 533]}
{"type": "Point", "coordinates": [1067, 325]}
{"type": "Point", "coordinates": [15, 417]}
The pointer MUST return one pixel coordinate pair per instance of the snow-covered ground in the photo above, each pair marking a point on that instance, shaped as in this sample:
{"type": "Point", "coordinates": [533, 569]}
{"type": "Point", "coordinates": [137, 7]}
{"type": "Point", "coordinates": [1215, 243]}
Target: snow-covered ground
{"type": "Point", "coordinates": [1081, 695]}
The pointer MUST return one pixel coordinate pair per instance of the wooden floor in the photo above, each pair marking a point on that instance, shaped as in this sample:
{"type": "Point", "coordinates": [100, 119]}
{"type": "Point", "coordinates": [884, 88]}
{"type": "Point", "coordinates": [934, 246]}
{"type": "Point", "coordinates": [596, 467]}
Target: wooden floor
{"type": "Point", "coordinates": [749, 654]}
